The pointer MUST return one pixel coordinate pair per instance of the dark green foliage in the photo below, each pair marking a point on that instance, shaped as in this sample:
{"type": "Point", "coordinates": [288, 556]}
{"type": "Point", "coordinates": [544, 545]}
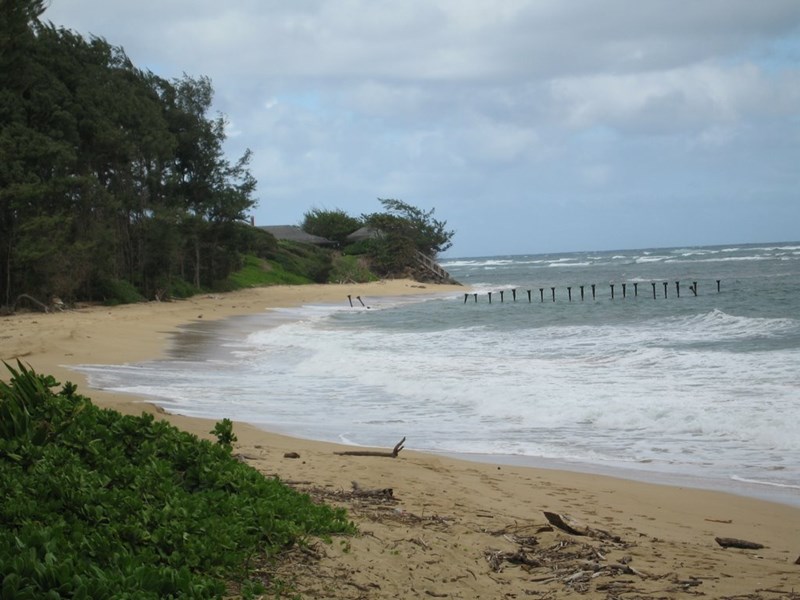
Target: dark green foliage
{"type": "Point", "coordinates": [224, 432]}
{"type": "Point", "coordinates": [351, 269]}
{"type": "Point", "coordinates": [316, 263]}
{"type": "Point", "coordinates": [94, 504]}
{"type": "Point", "coordinates": [118, 291]}
{"type": "Point", "coordinates": [109, 173]}
{"type": "Point", "coordinates": [334, 225]}
{"type": "Point", "coordinates": [405, 230]}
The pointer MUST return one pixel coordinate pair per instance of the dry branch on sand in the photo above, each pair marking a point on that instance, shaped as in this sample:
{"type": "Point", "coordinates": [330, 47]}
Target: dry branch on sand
{"type": "Point", "coordinates": [736, 543]}
{"type": "Point", "coordinates": [392, 454]}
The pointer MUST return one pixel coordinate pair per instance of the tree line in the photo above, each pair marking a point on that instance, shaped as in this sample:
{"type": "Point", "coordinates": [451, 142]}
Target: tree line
{"type": "Point", "coordinates": [114, 185]}
{"type": "Point", "coordinates": [110, 176]}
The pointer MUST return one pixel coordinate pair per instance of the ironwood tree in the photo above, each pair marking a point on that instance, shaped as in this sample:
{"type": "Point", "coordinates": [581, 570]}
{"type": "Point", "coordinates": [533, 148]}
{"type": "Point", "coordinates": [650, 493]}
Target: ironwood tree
{"type": "Point", "coordinates": [109, 175]}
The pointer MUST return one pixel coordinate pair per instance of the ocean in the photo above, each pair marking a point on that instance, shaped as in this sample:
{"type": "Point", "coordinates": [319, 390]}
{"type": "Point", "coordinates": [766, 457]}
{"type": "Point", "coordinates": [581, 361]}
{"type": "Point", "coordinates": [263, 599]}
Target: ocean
{"type": "Point", "coordinates": [695, 383]}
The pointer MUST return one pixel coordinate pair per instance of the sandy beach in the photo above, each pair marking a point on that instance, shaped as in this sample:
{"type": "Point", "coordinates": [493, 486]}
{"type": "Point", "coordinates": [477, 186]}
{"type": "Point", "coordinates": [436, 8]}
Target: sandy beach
{"type": "Point", "coordinates": [435, 527]}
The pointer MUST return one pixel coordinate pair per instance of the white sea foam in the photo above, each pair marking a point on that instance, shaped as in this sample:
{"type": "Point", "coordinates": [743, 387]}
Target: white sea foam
{"type": "Point", "coordinates": [705, 386]}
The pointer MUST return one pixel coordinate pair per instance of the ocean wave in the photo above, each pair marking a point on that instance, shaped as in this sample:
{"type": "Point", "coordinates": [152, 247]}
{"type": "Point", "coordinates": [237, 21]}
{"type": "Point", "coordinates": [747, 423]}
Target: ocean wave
{"type": "Point", "coordinates": [568, 264]}
{"type": "Point", "coordinates": [720, 259]}
{"type": "Point", "coordinates": [724, 326]}
{"type": "Point", "coordinates": [763, 482]}
{"type": "Point", "coordinates": [651, 259]}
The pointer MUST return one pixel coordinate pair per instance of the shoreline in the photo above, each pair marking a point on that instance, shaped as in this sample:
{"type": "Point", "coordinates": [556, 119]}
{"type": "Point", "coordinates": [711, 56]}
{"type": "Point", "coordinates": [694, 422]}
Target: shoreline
{"type": "Point", "coordinates": [667, 531]}
{"type": "Point", "coordinates": [196, 340]}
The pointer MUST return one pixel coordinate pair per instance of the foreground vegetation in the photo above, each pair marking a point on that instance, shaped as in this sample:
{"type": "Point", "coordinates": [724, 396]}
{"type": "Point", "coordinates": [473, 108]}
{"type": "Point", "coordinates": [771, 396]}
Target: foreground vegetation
{"type": "Point", "coordinates": [94, 504]}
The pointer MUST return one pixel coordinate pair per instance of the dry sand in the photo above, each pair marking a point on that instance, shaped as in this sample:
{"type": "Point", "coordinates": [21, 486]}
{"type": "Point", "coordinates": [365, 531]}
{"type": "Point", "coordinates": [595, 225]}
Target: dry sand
{"type": "Point", "coordinates": [434, 527]}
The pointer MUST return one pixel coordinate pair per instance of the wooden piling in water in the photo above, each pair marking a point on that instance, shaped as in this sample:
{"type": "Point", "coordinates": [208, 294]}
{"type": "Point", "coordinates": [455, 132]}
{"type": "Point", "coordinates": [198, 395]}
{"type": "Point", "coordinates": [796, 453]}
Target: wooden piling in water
{"type": "Point", "coordinates": [529, 296]}
{"type": "Point", "coordinates": [553, 290]}
{"type": "Point", "coordinates": [465, 298]}
{"type": "Point", "coordinates": [501, 297]}
{"type": "Point", "coordinates": [665, 288]}
{"type": "Point", "coordinates": [636, 290]}
{"type": "Point", "coordinates": [654, 289]}
{"type": "Point", "coordinates": [581, 293]}
{"type": "Point", "coordinates": [360, 300]}
{"type": "Point", "coordinates": [718, 286]}
{"type": "Point", "coordinates": [694, 288]}
{"type": "Point", "coordinates": [514, 294]}
{"type": "Point", "coordinates": [612, 291]}
{"type": "Point", "coordinates": [678, 288]}
{"type": "Point", "coordinates": [541, 294]}
{"type": "Point", "coordinates": [350, 299]}
{"type": "Point", "coordinates": [476, 298]}
{"type": "Point", "coordinates": [624, 290]}
{"type": "Point", "coordinates": [593, 296]}
{"type": "Point", "coordinates": [569, 293]}
{"type": "Point", "coordinates": [490, 297]}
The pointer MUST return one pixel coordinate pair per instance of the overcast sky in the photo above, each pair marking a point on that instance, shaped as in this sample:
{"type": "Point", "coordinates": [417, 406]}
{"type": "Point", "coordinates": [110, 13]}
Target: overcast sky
{"type": "Point", "coordinates": [529, 125]}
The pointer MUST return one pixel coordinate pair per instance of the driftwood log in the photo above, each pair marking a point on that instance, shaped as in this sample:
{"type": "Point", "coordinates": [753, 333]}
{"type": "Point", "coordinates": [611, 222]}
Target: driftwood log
{"type": "Point", "coordinates": [565, 523]}
{"type": "Point", "coordinates": [41, 305]}
{"type": "Point", "coordinates": [734, 543]}
{"type": "Point", "coordinates": [392, 454]}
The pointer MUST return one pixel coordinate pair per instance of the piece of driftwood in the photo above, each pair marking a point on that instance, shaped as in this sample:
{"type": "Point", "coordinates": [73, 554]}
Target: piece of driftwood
{"type": "Point", "coordinates": [734, 543]}
{"type": "Point", "coordinates": [41, 305]}
{"type": "Point", "coordinates": [392, 454]}
{"type": "Point", "coordinates": [377, 493]}
{"type": "Point", "coordinates": [565, 523]}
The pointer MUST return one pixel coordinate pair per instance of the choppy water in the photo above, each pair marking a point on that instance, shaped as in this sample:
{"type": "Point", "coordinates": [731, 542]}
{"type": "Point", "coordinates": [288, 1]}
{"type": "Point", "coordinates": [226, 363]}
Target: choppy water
{"type": "Point", "coordinates": [703, 387]}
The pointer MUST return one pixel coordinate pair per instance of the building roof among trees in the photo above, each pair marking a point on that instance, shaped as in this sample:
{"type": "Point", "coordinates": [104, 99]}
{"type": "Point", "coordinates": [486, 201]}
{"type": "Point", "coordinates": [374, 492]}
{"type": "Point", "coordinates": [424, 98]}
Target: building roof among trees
{"type": "Point", "coordinates": [293, 233]}
{"type": "Point", "coordinates": [363, 233]}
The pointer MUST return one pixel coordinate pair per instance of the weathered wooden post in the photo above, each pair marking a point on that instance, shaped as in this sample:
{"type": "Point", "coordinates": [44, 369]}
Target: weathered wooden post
{"type": "Point", "coordinates": [694, 288]}
{"type": "Point", "coordinates": [612, 291]}
{"type": "Point", "coordinates": [476, 298]}
{"type": "Point", "coordinates": [514, 294]}
{"type": "Point", "coordinates": [678, 288]}
{"type": "Point", "coordinates": [654, 289]}
{"type": "Point", "coordinates": [490, 297]}
{"type": "Point", "coordinates": [581, 293]}
{"type": "Point", "coordinates": [624, 290]}
{"type": "Point", "coordinates": [350, 299]}
{"type": "Point", "coordinates": [665, 288]}
{"type": "Point", "coordinates": [718, 286]}
{"type": "Point", "coordinates": [465, 298]}
{"type": "Point", "coordinates": [529, 296]}
{"type": "Point", "coordinates": [636, 290]}
{"type": "Point", "coordinates": [593, 296]}
{"type": "Point", "coordinates": [569, 293]}
{"type": "Point", "coordinates": [552, 289]}
{"type": "Point", "coordinates": [360, 300]}
{"type": "Point", "coordinates": [501, 297]}
{"type": "Point", "coordinates": [541, 294]}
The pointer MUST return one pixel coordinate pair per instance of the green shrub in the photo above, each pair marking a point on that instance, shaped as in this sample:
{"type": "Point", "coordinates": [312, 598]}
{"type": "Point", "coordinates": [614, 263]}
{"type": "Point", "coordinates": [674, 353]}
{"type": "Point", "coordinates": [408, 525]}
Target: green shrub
{"type": "Point", "coordinates": [334, 225]}
{"type": "Point", "coordinates": [351, 269]}
{"type": "Point", "coordinates": [118, 291]}
{"type": "Point", "coordinates": [94, 504]}
{"type": "Point", "coordinates": [180, 288]}
{"type": "Point", "coordinates": [312, 262]}
{"type": "Point", "coordinates": [224, 432]}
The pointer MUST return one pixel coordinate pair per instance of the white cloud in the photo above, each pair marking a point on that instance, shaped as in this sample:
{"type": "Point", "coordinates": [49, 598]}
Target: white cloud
{"type": "Point", "coordinates": [503, 110]}
{"type": "Point", "coordinates": [695, 98]}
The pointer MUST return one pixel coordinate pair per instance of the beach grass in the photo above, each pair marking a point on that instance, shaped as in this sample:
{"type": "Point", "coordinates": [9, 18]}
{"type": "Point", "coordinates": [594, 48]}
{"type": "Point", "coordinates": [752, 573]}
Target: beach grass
{"type": "Point", "coordinates": [96, 504]}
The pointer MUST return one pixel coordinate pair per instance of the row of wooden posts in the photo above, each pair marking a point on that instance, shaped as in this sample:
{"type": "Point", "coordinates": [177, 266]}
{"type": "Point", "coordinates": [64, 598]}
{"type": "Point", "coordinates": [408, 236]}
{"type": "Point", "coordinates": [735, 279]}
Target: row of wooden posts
{"type": "Point", "coordinates": [692, 288]}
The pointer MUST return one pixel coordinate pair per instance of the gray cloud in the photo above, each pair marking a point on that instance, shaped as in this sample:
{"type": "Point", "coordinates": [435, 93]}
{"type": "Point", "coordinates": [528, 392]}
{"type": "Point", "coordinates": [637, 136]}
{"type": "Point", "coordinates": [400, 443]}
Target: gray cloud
{"type": "Point", "coordinates": [566, 115]}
